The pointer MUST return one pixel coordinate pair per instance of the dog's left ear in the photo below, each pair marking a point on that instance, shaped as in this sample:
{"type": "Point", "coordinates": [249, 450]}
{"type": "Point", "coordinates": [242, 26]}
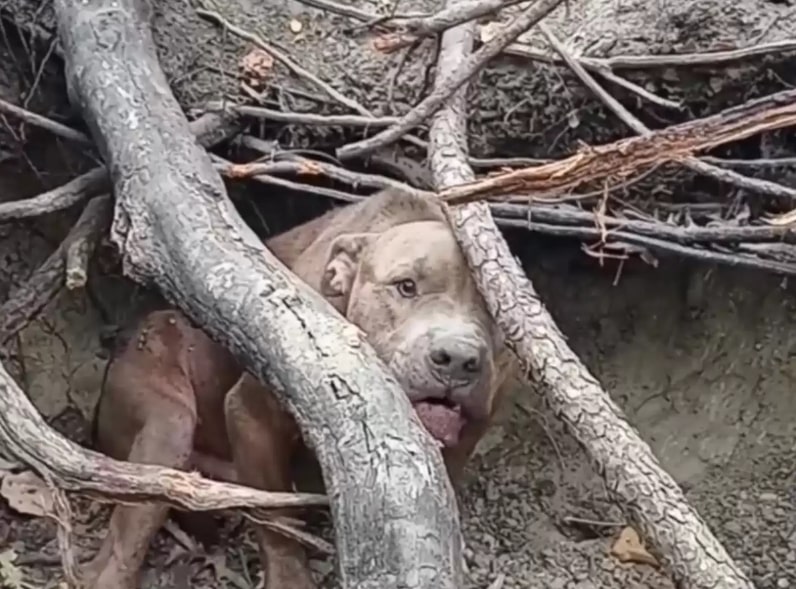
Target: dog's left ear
{"type": "Point", "coordinates": [342, 263]}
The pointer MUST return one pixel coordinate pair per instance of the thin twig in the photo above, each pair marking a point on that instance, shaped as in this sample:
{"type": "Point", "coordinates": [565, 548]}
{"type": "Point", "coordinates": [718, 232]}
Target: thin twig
{"type": "Point", "coordinates": [657, 245]}
{"type": "Point", "coordinates": [306, 167]}
{"type": "Point", "coordinates": [260, 112]}
{"type": "Point", "coordinates": [44, 123]}
{"type": "Point", "coordinates": [448, 85]}
{"type": "Point", "coordinates": [764, 186]}
{"type": "Point", "coordinates": [427, 26]}
{"type": "Point", "coordinates": [25, 302]}
{"type": "Point", "coordinates": [287, 61]}
{"type": "Point", "coordinates": [637, 62]}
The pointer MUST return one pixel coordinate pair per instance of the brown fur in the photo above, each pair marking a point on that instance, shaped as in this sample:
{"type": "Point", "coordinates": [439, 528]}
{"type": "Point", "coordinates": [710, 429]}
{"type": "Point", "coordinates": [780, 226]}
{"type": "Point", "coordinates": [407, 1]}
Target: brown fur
{"type": "Point", "coordinates": [174, 397]}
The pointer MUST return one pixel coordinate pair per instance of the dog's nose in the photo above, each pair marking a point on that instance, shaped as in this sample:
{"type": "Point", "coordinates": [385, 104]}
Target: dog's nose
{"type": "Point", "coordinates": [457, 360]}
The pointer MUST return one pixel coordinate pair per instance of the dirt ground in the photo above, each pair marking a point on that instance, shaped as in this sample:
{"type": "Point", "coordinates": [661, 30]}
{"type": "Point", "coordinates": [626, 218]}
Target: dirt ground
{"type": "Point", "coordinates": [703, 360]}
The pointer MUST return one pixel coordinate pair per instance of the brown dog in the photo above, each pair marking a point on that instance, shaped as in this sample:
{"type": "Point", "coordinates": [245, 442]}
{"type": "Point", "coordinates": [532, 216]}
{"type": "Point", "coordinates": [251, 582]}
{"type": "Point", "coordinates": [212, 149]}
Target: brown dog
{"type": "Point", "coordinates": [172, 396]}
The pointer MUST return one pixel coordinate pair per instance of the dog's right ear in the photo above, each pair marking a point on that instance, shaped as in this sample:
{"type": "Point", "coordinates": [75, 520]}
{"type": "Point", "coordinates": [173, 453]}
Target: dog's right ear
{"type": "Point", "coordinates": [342, 264]}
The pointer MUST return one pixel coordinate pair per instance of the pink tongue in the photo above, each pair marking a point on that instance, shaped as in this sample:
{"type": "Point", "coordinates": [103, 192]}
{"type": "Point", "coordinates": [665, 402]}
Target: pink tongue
{"type": "Point", "coordinates": [442, 422]}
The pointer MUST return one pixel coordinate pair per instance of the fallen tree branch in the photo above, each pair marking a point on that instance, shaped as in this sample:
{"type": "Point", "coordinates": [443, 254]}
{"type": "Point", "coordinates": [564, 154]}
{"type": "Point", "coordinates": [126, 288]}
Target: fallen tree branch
{"type": "Point", "coordinates": [396, 519]}
{"type": "Point", "coordinates": [627, 156]}
{"type": "Point", "coordinates": [448, 85]}
{"type": "Point", "coordinates": [210, 129]}
{"type": "Point", "coordinates": [647, 494]}
{"type": "Point", "coordinates": [26, 436]}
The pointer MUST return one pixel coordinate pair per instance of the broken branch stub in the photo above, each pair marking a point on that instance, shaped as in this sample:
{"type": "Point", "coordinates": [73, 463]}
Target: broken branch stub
{"type": "Point", "coordinates": [647, 494]}
{"type": "Point", "coordinates": [395, 514]}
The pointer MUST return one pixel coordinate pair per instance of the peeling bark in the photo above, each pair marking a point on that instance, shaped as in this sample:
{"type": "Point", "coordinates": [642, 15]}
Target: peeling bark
{"type": "Point", "coordinates": [395, 514]}
{"type": "Point", "coordinates": [649, 496]}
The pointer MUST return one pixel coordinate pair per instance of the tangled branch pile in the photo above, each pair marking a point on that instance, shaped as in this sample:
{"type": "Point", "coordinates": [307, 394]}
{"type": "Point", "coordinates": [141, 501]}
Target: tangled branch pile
{"type": "Point", "coordinates": [592, 194]}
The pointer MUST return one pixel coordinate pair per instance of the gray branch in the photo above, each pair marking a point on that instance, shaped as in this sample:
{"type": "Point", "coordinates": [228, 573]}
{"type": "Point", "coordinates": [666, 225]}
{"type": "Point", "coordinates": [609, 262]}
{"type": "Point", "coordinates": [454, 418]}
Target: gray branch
{"type": "Point", "coordinates": [394, 509]}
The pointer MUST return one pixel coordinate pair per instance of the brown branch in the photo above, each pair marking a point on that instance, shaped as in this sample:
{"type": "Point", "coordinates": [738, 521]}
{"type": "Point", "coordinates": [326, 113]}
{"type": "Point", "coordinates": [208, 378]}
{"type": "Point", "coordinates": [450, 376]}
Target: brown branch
{"type": "Point", "coordinates": [648, 495]}
{"type": "Point", "coordinates": [764, 186]}
{"type": "Point", "coordinates": [448, 84]}
{"type": "Point", "coordinates": [26, 436]}
{"type": "Point", "coordinates": [569, 222]}
{"type": "Point", "coordinates": [627, 156]}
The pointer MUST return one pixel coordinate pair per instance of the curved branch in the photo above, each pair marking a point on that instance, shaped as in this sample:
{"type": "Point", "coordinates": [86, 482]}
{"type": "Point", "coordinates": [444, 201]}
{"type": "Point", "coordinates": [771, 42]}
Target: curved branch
{"type": "Point", "coordinates": [394, 508]}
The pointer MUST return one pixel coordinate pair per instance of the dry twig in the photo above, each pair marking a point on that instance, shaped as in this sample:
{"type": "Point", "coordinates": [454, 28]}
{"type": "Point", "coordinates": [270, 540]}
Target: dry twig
{"type": "Point", "coordinates": [448, 84]}
{"type": "Point", "coordinates": [44, 123]}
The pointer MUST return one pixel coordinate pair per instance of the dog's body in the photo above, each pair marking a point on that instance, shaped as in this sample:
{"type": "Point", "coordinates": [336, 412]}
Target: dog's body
{"type": "Point", "coordinates": [173, 396]}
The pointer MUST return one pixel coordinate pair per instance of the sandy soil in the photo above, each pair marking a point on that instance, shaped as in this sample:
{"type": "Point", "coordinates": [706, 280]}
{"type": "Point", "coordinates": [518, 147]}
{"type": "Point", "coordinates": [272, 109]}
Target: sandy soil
{"type": "Point", "coordinates": [701, 359]}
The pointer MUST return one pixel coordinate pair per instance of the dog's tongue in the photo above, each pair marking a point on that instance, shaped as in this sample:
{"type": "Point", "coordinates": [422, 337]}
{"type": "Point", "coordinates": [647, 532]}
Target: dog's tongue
{"type": "Point", "coordinates": [442, 422]}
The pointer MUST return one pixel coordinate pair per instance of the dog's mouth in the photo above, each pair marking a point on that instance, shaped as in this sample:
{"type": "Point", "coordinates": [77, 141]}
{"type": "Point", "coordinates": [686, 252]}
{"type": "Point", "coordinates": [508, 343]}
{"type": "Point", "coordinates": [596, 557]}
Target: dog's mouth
{"type": "Point", "coordinates": [443, 419]}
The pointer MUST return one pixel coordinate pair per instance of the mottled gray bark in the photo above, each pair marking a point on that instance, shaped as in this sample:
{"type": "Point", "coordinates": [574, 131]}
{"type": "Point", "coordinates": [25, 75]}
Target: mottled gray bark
{"type": "Point", "coordinates": [650, 497]}
{"type": "Point", "coordinates": [394, 509]}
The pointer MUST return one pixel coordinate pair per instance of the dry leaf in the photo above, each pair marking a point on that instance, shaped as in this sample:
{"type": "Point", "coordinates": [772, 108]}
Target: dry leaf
{"type": "Point", "coordinates": [295, 26]}
{"type": "Point", "coordinates": [255, 67]}
{"type": "Point", "coordinates": [629, 548]}
{"type": "Point", "coordinates": [27, 493]}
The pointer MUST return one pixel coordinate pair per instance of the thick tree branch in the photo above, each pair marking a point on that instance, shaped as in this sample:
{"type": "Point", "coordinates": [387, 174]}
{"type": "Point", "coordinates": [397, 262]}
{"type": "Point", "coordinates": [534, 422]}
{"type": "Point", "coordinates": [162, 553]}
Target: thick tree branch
{"type": "Point", "coordinates": [26, 436]}
{"type": "Point", "coordinates": [648, 495]}
{"type": "Point", "coordinates": [395, 514]}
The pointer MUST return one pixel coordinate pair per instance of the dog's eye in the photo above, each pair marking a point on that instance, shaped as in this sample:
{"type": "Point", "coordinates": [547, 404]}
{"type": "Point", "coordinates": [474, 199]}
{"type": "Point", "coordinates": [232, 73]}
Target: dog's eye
{"type": "Point", "coordinates": [406, 288]}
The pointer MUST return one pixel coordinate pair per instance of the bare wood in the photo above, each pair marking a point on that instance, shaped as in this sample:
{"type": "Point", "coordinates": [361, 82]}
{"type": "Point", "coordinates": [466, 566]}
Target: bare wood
{"type": "Point", "coordinates": [634, 154]}
{"type": "Point", "coordinates": [178, 231]}
{"type": "Point", "coordinates": [647, 494]}
{"type": "Point", "coordinates": [26, 436]}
